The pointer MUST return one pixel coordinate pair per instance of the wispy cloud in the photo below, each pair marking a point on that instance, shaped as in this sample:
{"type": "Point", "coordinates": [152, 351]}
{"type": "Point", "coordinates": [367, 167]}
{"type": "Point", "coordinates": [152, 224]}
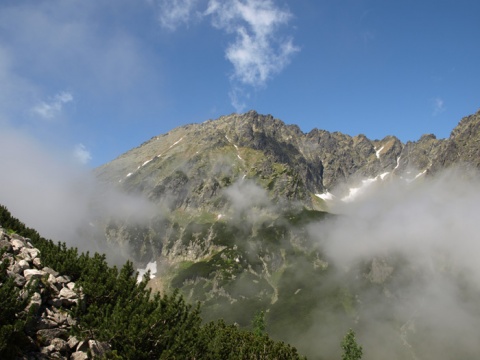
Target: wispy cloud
{"type": "Point", "coordinates": [82, 154]}
{"type": "Point", "coordinates": [174, 13]}
{"type": "Point", "coordinates": [259, 50]}
{"type": "Point", "coordinates": [438, 106]}
{"type": "Point", "coordinates": [53, 108]}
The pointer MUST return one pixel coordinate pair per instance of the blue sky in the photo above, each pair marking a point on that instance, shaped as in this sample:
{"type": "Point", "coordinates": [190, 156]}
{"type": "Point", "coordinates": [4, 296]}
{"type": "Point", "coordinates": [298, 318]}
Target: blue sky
{"type": "Point", "coordinates": [92, 79]}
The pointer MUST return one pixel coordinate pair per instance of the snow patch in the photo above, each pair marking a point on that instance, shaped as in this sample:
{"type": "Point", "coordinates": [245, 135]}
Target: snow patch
{"type": "Point", "coordinates": [175, 143]}
{"type": "Point", "coordinates": [152, 266]}
{"type": "Point", "coordinates": [416, 176]}
{"type": "Point", "coordinates": [422, 173]}
{"type": "Point", "coordinates": [326, 196]}
{"type": "Point", "coordinates": [398, 163]}
{"type": "Point", "coordinates": [377, 152]}
{"type": "Point", "coordinates": [382, 176]}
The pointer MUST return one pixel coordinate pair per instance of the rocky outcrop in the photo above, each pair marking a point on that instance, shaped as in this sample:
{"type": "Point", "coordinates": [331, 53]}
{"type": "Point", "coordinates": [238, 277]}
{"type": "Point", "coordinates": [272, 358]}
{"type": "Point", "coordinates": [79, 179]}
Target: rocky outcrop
{"type": "Point", "coordinates": [52, 296]}
{"type": "Point", "coordinates": [462, 147]}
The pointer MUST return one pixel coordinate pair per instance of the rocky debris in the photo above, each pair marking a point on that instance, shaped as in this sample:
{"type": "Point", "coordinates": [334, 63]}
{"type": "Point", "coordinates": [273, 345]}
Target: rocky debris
{"type": "Point", "coordinates": [52, 298]}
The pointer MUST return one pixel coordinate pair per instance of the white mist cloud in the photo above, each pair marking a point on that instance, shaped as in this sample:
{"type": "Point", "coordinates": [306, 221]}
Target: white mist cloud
{"type": "Point", "coordinates": [53, 108]}
{"type": "Point", "coordinates": [424, 237]}
{"type": "Point", "coordinates": [416, 218]}
{"type": "Point", "coordinates": [258, 52]}
{"type": "Point", "coordinates": [438, 106]}
{"type": "Point", "coordinates": [245, 195]}
{"type": "Point", "coordinates": [82, 154]}
{"type": "Point", "coordinates": [174, 13]}
{"type": "Point", "coordinates": [56, 34]}
{"type": "Point", "coordinates": [58, 197]}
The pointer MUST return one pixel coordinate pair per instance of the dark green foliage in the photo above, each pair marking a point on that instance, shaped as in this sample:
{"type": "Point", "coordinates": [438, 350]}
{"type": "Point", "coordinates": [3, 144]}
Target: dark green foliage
{"type": "Point", "coordinates": [351, 350]}
{"type": "Point", "coordinates": [13, 317]}
{"type": "Point", "coordinates": [227, 342]}
{"type": "Point", "coordinates": [136, 323]}
{"type": "Point", "coordinates": [196, 270]}
{"type": "Point", "coordinates": [305, 216]}
{"type": "Point", "coordinates": [258, 323]}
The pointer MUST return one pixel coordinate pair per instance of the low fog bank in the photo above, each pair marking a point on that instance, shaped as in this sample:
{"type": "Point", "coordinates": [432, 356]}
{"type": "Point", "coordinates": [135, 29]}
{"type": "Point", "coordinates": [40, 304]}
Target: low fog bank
{"type": "Point", "coordinates": [52, 192]}
{"type": "Point", "coordinates": [408, 253]}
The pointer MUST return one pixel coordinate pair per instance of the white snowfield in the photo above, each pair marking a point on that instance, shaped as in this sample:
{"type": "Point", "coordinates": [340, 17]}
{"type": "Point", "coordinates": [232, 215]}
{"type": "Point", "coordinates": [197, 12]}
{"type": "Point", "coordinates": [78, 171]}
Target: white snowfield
{"type": "Point", "coordinates": [377, 152]}
{"type": "Point", "coordinates": [355, 192]}
{"type": "Point", "coordinates": [326, 196]}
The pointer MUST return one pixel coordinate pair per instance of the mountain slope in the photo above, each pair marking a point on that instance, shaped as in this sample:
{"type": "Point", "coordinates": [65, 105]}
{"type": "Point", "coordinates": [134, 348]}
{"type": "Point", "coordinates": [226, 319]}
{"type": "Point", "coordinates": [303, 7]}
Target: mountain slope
{"type": "Point", "coordinates": [240, 223]}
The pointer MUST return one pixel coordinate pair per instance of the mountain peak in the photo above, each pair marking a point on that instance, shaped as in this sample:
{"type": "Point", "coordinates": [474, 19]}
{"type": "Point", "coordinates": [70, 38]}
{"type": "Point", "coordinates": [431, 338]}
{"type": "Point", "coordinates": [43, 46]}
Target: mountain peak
{"type": "Point", "coordinates": [197, 161]}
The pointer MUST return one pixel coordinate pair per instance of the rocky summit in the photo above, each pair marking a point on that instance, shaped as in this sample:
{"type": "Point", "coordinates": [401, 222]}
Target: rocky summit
{"type": "Point", "coordinates": [192, 164]}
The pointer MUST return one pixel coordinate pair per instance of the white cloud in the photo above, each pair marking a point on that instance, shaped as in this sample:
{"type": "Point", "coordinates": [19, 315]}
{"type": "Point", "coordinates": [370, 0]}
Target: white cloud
{"type": "Point", "coordinates": [438, 106]}
{"type": "Point", "coordinates": [82, 154]}
{"type": "Point", "coordinates": [237, 98]}
{"type": "Point", "coordinates": [174, 13]}
{"type": "Point", "coordinates": [59, 197]}
{"type": "Point", "coordinates": [258, 51]}
{"type": "Point", "coordinates": [53, 108]}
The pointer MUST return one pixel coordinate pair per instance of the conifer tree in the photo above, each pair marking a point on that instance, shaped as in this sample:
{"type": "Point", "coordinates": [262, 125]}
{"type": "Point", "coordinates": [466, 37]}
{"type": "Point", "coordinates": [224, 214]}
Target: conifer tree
{"type": "Point", "coordinates": [351, 350]}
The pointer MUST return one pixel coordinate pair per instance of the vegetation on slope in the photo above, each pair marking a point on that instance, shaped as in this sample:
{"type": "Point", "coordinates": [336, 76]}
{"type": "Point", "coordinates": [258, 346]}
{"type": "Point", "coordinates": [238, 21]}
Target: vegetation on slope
{"type": "Point", "coordinates": [136, 323]}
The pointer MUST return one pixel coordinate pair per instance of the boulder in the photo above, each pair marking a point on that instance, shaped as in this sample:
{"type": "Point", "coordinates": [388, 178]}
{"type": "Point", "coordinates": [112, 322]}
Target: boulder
{"type": "Point", "coordinates": [5, 244]}
{"type": "Point", "coordinates": [60, 345]}
{"type": "Point", "coordinates": [33, 274]}
{"type": "Point", "coordinates": [17, 245]}
{"type": "Point", "coordinates": [98, 348]}
{"type": "Point", "coordinates": [79, 355]}
{"type": "Point", "coordinates": [45, 336]}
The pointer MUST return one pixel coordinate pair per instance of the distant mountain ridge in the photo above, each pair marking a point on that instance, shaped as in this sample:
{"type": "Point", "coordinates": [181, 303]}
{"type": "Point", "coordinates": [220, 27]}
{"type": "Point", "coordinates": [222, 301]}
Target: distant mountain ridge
{"type": "Point", "coordinates": [195, 161]}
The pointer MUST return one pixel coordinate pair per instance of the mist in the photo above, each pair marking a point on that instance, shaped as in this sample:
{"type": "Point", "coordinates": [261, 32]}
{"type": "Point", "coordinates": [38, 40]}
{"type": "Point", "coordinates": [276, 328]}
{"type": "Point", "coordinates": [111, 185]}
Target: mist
{"type": "Point", "coordinates": [49, 190]}
{"type": "Point", "coordinates": [408, 253]}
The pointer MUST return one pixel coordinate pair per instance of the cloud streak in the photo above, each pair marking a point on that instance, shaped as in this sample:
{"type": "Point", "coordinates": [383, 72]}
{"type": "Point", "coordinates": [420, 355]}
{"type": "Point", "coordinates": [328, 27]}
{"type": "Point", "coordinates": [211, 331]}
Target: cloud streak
{"type": "Point", "coordinates": [259, 50]}
{"type": "Point", "coordinates": [438, 106]}
{"type": "Point", "coordinates": [174, 13]}
{"type": "Point", "coordinates": [82, 154]}
{"type": "Point", "coordinates": [52, 109]}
